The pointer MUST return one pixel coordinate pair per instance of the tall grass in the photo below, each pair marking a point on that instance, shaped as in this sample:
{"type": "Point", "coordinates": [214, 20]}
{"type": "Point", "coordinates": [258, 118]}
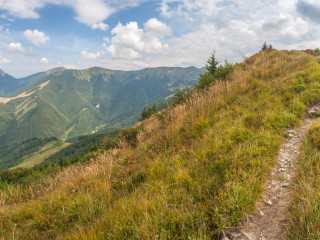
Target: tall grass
{"type": "Point", "coordinates": [196, 169]}
{"type": "Point", "coordinates": [305, 207]}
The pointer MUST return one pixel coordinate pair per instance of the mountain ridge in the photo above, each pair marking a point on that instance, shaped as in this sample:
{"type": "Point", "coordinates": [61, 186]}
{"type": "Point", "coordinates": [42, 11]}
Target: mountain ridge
{"type": "Point", "coordinates": [77, 102]}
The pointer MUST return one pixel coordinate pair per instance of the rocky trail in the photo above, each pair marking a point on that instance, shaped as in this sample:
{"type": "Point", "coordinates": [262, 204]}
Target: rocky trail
{"type": "Point", "coordinates": [270, 219]}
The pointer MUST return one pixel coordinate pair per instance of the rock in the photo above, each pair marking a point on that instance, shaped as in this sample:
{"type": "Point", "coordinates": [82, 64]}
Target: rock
{"type": "Point", "coordinates": [292, 133]}
{"type": "Point", "coordinates": [284, 184]}
{"type": "Point", "coordinates": [314, 112]}
{"type": "Point", "coordinates": [261, 213]}
{"type": "Point", "coordinates": [268, 202]}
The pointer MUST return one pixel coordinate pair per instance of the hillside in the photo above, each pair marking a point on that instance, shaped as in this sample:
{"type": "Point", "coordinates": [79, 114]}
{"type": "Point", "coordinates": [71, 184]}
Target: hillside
{"type": "Point", "coordinates": [189, 172]}
{"type": "Point", "coordinates": [70, 103]}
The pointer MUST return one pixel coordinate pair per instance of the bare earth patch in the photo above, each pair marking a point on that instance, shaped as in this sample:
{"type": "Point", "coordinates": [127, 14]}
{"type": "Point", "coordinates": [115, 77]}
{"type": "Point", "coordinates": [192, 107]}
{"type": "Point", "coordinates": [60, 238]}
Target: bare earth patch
{"type": "Point", "coordinates": [270, 219]}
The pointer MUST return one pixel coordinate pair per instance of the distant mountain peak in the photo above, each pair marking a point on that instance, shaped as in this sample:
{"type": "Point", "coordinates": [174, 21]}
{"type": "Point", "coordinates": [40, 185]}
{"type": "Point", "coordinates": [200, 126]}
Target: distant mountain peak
{"type": "Point", "coordinates": [2, 73]}
{"type": "Point", "coordinates": [57, 69]}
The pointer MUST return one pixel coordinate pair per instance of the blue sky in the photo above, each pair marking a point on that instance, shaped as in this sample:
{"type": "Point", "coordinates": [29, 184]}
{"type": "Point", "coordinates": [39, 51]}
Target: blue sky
{"type": "Point", "coordinates": [36, 35]}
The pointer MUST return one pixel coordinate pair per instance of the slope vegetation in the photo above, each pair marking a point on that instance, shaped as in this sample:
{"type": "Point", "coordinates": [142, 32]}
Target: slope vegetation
{"type": "Point", "coordinates": [192, 170]}
{"type": "Point", "coordinates": [305, 211]}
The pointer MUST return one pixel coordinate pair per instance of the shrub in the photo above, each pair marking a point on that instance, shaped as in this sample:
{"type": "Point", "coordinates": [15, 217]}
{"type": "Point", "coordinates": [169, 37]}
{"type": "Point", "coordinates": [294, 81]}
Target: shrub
{"type": "Point", "coordinates": [130, 136]}
{"type": "Point", "coordinates": [146, 113]}
{"type": "Point", "coordinates": [314, 134]}
{"type": "Point", "coordinates": [316, 52]}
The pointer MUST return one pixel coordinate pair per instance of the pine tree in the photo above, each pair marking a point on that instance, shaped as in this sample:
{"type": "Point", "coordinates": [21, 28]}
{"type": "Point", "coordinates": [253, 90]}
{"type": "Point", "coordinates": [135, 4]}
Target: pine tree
{"type": "Point", "coordinates": [144, 113]}
{"type": "Point", "coordinates": [264, 46]}
{"type": "Point", "coordinates": [154, 108]}
{"type": "Point", "coordinates": [212, 64]}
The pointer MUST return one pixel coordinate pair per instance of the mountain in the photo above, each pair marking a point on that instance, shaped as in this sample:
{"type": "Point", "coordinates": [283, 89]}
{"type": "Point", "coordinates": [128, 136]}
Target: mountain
{"type": "Point", "coordinates": [69, 103]}
{"type": "Point", "coordinates": [193, 171]}
{"type": "Point", "coordinates": [8, 84]}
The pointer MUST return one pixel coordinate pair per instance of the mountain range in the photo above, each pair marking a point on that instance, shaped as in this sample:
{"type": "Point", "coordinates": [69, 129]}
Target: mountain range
{"type": "Point", "coordinates": [67, 103]}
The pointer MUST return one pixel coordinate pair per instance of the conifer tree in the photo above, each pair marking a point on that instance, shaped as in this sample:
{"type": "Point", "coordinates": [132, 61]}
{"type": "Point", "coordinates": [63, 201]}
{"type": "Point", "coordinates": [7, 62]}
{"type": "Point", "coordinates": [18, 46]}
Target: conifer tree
{"type": "Point", "coordinates": [144, 113]}
{"type": "Point", "coordinates": [264, 46]}
{"type": "Point", "coordinates": [212, 64]}
{"type": "Point", "coordinates": [154, 108]}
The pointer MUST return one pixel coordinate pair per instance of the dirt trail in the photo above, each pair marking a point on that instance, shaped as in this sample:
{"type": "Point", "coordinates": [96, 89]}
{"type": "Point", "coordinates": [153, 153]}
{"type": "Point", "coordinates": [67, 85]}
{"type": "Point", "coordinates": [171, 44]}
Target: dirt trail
{"type": "Point", "coordinates": [270, 218]}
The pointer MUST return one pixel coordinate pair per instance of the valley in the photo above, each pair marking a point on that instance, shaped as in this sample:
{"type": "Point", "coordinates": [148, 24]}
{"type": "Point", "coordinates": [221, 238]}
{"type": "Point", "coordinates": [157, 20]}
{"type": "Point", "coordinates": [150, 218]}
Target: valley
{"type": "Point", "coordinates": [66, 103]}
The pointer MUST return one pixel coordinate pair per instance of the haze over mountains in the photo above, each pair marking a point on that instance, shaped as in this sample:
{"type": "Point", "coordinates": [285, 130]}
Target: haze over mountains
{"type": "Point", "coordinates": [67, 103]}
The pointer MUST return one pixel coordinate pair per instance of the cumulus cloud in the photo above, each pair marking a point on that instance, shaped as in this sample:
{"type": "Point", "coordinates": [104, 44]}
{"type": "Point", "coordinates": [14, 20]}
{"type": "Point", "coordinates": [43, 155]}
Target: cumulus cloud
{"type": "Point", "coordinates": [4, 60]}
{"type": "Point", "coordinates": [16, 47]}
{"type": "Point", "coordinates": [21, 8]}
{"type": "Point", "coordinates": [93, 11]}
{"type": "Point", "coordinates": [233, 28]}
{"type": "Point", "coordinates": [91, 55]}
{"type": "Point", "coordinates": [130, 41]}
{"type": "Point", "coordinates": [87, 12]}
{"type": "Point", "coordinates": [36, 37]}
{"type": "Point", "coordinates": [153, 25]}
{"type": "Point", "coordinates": [44, 60]}
{"type": "Point", "coordinates": [102, 26]}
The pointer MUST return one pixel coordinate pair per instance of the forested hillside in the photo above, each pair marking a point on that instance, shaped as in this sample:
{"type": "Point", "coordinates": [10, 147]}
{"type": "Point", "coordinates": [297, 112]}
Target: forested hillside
{"type": "Point", "coordinates": [72, 103]}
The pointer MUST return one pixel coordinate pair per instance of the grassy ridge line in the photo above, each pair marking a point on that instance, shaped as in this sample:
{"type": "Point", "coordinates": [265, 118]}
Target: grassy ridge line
{"type": "Point", "coordinates": [305, 206]}
{"type": "Point", "coordinates": [197, 168]}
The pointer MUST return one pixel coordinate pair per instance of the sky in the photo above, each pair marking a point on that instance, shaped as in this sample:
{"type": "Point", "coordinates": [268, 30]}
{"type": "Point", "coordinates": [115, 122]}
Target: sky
{"type": "Point", "coordinates": [37, 35]}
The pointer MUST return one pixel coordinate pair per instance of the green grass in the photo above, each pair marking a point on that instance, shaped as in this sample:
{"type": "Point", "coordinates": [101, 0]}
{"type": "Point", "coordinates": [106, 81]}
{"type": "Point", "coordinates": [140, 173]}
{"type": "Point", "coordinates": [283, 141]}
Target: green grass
{"type": "Point", "coordinates": [305, 206]}
{"type": "Point", "coordinates": [193, 170]}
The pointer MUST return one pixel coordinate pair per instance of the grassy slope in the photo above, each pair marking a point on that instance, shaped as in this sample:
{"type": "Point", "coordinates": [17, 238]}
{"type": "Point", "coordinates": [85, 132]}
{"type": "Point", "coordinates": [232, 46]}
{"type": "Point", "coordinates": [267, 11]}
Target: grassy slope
{"type": "Point", "coordinates": [197, 168]}
{"type": "Point", "coordinates": [305, 207]}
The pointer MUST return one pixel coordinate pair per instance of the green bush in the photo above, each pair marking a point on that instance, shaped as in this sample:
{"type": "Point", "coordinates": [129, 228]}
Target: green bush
{"type": "Point", "coordinates": [130, 136]}
{"type": "Point", "coordinates": [316, 52]}
{"type": "Point", "coordinates": [314, 134]}
{"type": "Point", "coordinates": [297, 108]}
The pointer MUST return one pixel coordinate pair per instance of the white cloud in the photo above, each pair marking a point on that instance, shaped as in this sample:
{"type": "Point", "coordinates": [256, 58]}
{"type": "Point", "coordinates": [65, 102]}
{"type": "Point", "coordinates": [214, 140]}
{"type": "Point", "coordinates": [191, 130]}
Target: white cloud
{"type": "Point", "coordinates": [16, 47]}
{"type": "Point", "coordinates": [44, 60]}
{"type": "Point", "coordinates": [233, 28]}
{"type": "Point", "coordinates": [36, 37]}
{"type": "Point", "coordinates": [93, 11]}
{"type": "Point", "coordinates": [102, 26]}
{"type": "Point", "coordinates": [21, 8]}
{"type": "Point", "coordinates": [130, 41]}
{"type": "Point", "coordinates": [87, 12]}
{"type": "Point", "coordinates": [191, 9]}
{"type": "Point", "coordinates": [157, 27]}
{"type": "Point", "coordinates": [4, 60]}
{"type": "Point", "coordinates": [91, 55]}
